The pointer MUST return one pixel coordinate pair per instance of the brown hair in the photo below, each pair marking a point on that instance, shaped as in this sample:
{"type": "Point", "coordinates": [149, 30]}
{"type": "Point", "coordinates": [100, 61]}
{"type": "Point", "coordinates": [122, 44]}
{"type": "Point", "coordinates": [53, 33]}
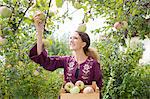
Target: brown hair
{"type": "Point", "coordinates": [88, 51]}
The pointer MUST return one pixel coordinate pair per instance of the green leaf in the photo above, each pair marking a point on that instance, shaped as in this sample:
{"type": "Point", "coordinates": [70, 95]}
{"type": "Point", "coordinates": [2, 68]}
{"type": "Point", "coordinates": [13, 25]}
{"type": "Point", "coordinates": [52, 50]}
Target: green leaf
{"type": "Point", "coordinates": [27, 20]}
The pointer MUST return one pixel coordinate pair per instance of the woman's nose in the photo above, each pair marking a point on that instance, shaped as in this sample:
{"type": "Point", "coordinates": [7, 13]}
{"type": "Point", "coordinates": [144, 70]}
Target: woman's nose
{"type": "Point", "coordinates": [70, 39]}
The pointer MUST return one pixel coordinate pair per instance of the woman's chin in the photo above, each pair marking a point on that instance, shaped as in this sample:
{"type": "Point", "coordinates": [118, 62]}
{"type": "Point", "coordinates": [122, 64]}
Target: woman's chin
{"type": "Point", "coordinates": [72, 49]}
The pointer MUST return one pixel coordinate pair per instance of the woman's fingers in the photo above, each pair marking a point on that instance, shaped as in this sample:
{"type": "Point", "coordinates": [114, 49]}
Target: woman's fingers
{"type": "Point", "coordinates": [39, 22]}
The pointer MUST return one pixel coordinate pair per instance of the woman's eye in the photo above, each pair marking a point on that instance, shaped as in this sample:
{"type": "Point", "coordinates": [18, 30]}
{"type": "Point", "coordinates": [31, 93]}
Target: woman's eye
{"type": "Point", "coordinates": [73, 38]}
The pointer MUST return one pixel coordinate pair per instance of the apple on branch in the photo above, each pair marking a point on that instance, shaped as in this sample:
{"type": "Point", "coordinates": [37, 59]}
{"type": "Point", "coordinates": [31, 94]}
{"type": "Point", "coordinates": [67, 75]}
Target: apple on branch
{"type": "Point", "coordinates": [81, 27]}
{"type": "Point", "coordinates": [5, 11]}
{"type": "Point", "coordinates": [47, 42]}
{"type": "Point", "coordinates": [3, 41]}
{"type": "Point", "coordinates": [118, 25]}
{"type": "Point", "coordinates": [125, 24]}
{"type": "Point", "coordinates": [80, 84]}
{"type": "Point", "coordinates": [68, 86]}
{"type": "Point", "coordinates": [8, 66]}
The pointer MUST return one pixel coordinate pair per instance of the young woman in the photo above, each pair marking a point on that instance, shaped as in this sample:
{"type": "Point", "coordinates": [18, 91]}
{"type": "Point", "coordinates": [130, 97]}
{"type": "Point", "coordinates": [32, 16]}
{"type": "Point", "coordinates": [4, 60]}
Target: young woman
{"type": "Point", "coordinates": [82, 65]}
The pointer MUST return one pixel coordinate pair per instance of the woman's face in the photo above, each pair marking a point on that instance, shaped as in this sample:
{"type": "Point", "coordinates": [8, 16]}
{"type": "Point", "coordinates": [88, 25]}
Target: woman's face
{"type": "Point", "coordinates": [75, 42]}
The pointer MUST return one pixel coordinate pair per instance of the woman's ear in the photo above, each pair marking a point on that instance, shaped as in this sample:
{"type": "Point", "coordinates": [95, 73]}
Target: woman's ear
{"type": "Point", "coordinates": [83, 44]}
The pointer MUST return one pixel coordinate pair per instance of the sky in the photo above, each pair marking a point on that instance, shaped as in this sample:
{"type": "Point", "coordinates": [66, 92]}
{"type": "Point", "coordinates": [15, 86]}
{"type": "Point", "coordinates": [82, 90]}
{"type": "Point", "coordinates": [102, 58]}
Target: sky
{"type": "Point", "coordinates": [71, 25]}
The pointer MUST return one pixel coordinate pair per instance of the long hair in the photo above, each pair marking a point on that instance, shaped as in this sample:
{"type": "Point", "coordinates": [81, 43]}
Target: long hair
{"type": "Point", "coordinates": [88, 51]}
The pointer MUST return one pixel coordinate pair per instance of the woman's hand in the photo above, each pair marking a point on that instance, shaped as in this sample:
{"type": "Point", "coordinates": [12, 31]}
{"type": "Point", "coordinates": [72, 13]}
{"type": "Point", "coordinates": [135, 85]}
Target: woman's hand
{"type": "Point", "coordinates": [39, 21]}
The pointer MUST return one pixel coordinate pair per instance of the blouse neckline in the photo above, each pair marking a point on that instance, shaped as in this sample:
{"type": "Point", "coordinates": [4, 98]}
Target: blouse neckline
{"type": "Point", "coordinates": [82, 62]}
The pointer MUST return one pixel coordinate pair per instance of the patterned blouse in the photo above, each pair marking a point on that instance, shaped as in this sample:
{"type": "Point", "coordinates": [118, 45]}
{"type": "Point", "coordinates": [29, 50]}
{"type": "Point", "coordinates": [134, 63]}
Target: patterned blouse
{"type": "Point", "coordinates": [89, 70]}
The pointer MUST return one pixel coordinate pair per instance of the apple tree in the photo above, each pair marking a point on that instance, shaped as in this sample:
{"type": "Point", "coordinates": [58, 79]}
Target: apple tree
{"type": "Point", "coordinates": [20, 77]}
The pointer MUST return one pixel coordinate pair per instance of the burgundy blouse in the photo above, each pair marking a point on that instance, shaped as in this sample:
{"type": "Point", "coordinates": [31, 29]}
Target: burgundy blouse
{"type": "Point", "coordinates": [89, 70]}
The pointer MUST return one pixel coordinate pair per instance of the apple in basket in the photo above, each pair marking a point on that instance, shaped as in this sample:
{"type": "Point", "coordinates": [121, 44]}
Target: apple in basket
{"type": "Point", "coordinates": [75, 90]}
{"type": "Point", "coordinates": [68, 86]}
{"type": "Point", "coordinates": [80, 84]}
{"type": "Point", "coordinates": [88, 90]}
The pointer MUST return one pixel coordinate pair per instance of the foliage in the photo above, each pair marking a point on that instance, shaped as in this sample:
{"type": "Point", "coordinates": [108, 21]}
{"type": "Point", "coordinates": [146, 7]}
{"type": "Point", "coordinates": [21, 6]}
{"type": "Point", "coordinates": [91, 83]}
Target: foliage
{"type": "Point", "coordinates": [123, 77]}
{"type": "Point", "coordinates": [59, 48]}
{"type": "Point", "coordinates": [20, 81]}
{"type": "Point", "coordinates": [17, 72]}
{"type": "Point", "coordinates": [135, 12]}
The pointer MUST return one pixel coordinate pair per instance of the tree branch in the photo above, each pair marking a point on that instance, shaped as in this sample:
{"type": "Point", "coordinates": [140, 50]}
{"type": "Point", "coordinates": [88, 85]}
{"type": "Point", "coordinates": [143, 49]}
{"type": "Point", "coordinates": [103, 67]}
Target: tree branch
{"type": "Point", "coordinates": [47, 13]}
{"type": "Point", "coordinates": [23, 16]}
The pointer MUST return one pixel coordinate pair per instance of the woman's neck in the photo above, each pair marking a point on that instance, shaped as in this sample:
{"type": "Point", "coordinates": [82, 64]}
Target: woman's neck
{"type": "Point", "coordinates": [80, 56]}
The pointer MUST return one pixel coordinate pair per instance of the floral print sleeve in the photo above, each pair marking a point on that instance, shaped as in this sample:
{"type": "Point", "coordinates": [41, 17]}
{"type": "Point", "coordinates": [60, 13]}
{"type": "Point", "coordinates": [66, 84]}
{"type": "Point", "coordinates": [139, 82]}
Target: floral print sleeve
{"type": "Point", "coordinates": [49, 63]}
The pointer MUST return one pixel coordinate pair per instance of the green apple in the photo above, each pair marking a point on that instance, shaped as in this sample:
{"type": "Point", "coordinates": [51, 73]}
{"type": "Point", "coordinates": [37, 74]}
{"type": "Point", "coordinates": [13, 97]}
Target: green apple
{"type": "Point", "coordinates": [80, 84]}
{"type": "Point", "coordinates": [81, 28]}
{"type": "Point", "coordinates": [5, 11]}
{"type": "Point", "coordinates": [75, 90]}
{"type": "Point", "coordinates": [47, 42]}
{"type": "Point", "coordinates": [125, 24]}
{"type": "Point", "coordinates": [51, 13]}
{"type": "Point", "coordinates": [77, 5]}
{"type": "Point", "coordinates": [68, 86]}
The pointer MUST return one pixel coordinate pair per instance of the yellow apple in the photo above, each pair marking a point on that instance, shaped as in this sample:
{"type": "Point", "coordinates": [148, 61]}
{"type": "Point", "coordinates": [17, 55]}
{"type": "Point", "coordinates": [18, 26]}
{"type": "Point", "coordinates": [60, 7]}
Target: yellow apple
{"type": "Point", "coordinates": [88, 90]}
{"type": "Point", "coordinates": [81, 28]}
{"type": "Point", "coordinates": [5, 11]}
{"type": "Point", "coordinates": [3, 41]}
{"type": "Point", "coordinates": [8, 66]}
{"type": "Point", "coordinates": [125, 24]}
{"type": "Point", "coordinates": [20, 63]}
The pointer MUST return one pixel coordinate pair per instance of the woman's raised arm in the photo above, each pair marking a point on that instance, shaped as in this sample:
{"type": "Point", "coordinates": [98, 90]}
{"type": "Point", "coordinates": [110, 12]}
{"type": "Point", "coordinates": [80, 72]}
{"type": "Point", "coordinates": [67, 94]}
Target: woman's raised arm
{"type": "Point", "coordinates": [39, 22]}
